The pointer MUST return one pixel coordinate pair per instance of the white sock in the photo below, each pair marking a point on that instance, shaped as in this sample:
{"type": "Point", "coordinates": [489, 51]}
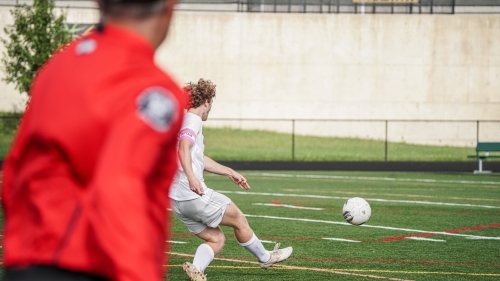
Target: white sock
{"type": "Point", "coordinates": [204, 255]}
{"type": "Point", "coordinates": [257, 249]}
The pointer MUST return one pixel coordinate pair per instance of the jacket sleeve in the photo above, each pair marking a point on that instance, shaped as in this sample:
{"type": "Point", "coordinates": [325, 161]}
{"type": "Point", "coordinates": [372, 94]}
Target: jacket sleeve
{"type": "Point", "coordinates": [123, 224]}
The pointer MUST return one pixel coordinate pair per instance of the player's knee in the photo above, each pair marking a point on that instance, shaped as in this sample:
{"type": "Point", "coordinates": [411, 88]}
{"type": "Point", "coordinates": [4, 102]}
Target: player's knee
{"type": "Point", "coordinates": [235, 218]}
{"type": "Point", "coordinates": [220, 241]}
{"type": "Point", "coordinates": [242, 221]}
{"type": "Point", "coordinates": [217, 237]}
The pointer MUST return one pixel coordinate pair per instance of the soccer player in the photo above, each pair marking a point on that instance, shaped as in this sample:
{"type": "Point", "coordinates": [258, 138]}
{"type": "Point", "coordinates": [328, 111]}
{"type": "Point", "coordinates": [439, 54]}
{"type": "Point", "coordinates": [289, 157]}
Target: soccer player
{"type": "Point", "coordinates": [202, 209]}
{"type": "Point", "coordinates": [85, 183]}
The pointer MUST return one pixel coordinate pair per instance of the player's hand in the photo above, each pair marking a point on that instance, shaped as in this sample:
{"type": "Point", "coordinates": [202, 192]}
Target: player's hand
{"type": "Point", "coordinates": [196, 186]}
{"type": "Point", "coordinates": [239, 180]}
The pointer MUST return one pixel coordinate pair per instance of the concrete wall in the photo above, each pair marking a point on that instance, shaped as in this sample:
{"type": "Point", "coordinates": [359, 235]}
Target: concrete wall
{"type": "Point", "coordinates": [320, 66]}
{"type": "Point", "coordinates": [10, 99]}
{"type": "Point", "coordinates": [342, 66]}
{"type": "Point", "coordinates": [329, 66]}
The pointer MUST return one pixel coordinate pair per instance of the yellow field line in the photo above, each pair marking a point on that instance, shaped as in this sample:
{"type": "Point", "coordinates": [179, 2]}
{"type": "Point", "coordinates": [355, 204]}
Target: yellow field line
{"type": "Point", "coordinates": [302, 268]}
{"type": "Point", "coordinates": [423, 272]}
{"type": "Point", "coordinates": [359, 270]}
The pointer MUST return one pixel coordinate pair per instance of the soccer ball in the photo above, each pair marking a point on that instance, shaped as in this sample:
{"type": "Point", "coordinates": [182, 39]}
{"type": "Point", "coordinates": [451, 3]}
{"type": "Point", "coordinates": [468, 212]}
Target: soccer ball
{"type": "Point", "coordinates": [356, 211]}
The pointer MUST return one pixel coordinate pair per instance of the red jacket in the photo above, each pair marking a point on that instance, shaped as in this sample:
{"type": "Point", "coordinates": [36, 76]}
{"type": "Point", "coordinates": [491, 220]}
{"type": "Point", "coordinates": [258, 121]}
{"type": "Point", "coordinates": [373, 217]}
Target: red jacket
{"type": "Point", "coordinates": [85, 185]}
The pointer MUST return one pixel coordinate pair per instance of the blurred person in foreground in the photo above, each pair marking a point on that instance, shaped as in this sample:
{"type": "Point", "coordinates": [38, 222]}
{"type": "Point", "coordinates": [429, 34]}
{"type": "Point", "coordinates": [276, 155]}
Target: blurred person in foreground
{"type": "Point", "coordinates": [85, 183]}
{"type": "Point", "coordinates": [202, 209]}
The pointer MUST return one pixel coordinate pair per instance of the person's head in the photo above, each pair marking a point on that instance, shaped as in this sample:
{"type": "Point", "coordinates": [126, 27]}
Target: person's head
{"type": "Point", "coordinates": [149, 17]}
{"type": "Point", "coordinates": [201, 96]}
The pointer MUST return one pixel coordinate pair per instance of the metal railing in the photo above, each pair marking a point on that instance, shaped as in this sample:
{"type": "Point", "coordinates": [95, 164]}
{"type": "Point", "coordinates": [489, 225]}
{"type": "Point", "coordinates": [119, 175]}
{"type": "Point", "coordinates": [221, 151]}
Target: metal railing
{"type": "Point", "coordinates": [372, 7]}
{"type": "Point", "coordinates": [315, 6]}
{"type": "Point", "coordinates": [361, 139]}
{"type": "Point", "coordinates": [240, 139]}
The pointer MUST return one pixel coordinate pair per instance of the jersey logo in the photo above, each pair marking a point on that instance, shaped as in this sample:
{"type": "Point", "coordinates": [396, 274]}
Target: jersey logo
{"type": "Point", "coordinates": [157, 107]}
{"type": "Point", "coordinates": [86, 47]}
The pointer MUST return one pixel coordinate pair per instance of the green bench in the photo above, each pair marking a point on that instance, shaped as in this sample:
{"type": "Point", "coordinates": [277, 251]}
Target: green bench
{"type": "Point", "coordinates": [483, 150]}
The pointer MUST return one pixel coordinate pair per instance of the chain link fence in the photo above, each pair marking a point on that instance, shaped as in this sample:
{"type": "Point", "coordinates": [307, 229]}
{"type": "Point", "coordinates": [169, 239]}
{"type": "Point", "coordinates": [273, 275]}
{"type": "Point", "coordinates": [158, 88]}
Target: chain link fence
{"type": "Point", "coordinates": [314, 6]}
{"type": "Point", "coordinates": [346, 140]}
{"type": "Point", "coordinates": [330, 140]}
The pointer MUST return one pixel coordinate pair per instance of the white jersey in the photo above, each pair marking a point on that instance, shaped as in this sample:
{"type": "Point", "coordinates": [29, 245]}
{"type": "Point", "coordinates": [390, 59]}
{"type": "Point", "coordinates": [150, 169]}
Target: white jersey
{"type": "Point", "coordinates": [191, 130]}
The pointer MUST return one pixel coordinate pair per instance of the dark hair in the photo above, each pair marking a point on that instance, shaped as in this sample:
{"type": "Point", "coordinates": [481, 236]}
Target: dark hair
{"type": "Point", "coordinates": [131, 8]}
{"type": "Point", "coordinates": [199, 93]}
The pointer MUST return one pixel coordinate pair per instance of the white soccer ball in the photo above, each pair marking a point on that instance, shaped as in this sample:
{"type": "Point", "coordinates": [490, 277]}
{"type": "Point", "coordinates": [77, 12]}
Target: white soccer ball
{"type": "Point", "coordinates": [356, 211]}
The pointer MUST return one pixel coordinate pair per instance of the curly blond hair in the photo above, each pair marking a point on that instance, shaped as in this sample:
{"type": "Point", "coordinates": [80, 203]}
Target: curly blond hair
{"type": "Point", "coordinates": [199, 93]}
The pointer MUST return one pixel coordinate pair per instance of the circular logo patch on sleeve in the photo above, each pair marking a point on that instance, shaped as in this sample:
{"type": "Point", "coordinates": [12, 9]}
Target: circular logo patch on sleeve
{"type": "Point", "coordinates": [157, 107]}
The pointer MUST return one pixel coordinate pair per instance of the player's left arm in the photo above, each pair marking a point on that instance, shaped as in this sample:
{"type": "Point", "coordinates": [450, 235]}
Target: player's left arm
{"type": "Point", "coordinates": [212, 166]}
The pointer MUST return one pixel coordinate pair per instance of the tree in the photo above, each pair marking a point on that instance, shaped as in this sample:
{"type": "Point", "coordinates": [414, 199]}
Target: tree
{"type": "Point", "coordinates": [35, 34]}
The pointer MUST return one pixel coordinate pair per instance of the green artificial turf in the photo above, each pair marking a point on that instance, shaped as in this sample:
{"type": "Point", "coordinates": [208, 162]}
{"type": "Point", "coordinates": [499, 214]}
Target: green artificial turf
{"type": "Point", "coordinates": [254, 145]}
{"type": "Point", "coordinates": [8, 126]}
{"type": "Point", "coordinates": [403, 204]}
{"type": "Point", "coordinates": [457, 215]}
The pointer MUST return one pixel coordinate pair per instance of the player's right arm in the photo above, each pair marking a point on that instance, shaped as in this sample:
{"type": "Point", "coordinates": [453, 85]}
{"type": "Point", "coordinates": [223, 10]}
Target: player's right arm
{"type": "Point", "coordinates": [186, 163]}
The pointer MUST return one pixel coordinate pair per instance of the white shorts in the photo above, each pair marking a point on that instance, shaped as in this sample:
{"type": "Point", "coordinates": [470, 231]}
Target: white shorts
{"type": "Point", "coordinates": [200, 213]}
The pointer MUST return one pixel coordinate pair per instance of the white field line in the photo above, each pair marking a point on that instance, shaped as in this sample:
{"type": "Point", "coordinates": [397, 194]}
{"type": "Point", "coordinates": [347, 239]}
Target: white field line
{"type": "Point", "coordinates": [176, 242]}
{"type": "Point", "coordinates": [481, 238]}
{"type": "Point", "coordinates": [425, 239]}
{"type": "Point", "coordinates": [267, 241]}
{"type": "Point", "coordinates": [287, 206]}
{"type": "Point", "coordinates": [299, 268]}
{"type": "Point", "coordinates": [373, 178]}
{"type": "Point", "coordinates": [357, 193]}
{"type": "Point", "coordinates": [377, 226]}
{"type": "Point", "coordinates": [368, 199]}
{"type": "Point", "coordinates": [340, 239]}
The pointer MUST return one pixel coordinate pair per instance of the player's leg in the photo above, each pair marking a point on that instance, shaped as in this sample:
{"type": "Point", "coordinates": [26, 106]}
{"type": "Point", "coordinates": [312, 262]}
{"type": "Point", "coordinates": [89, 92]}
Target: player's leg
{"type": "Point", "coordinates": [234, 218]}
{"type": "Point", "coordinates": [214, 242]}
{"type": "Point", "coordinates": [202, 216]}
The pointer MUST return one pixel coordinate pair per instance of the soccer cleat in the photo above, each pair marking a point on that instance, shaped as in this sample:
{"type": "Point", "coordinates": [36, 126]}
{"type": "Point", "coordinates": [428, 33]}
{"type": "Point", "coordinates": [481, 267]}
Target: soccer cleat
{"type": "Point", "coordinates": [277, 255]}
{"type": "Point", "coordinates": [193, 273]}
